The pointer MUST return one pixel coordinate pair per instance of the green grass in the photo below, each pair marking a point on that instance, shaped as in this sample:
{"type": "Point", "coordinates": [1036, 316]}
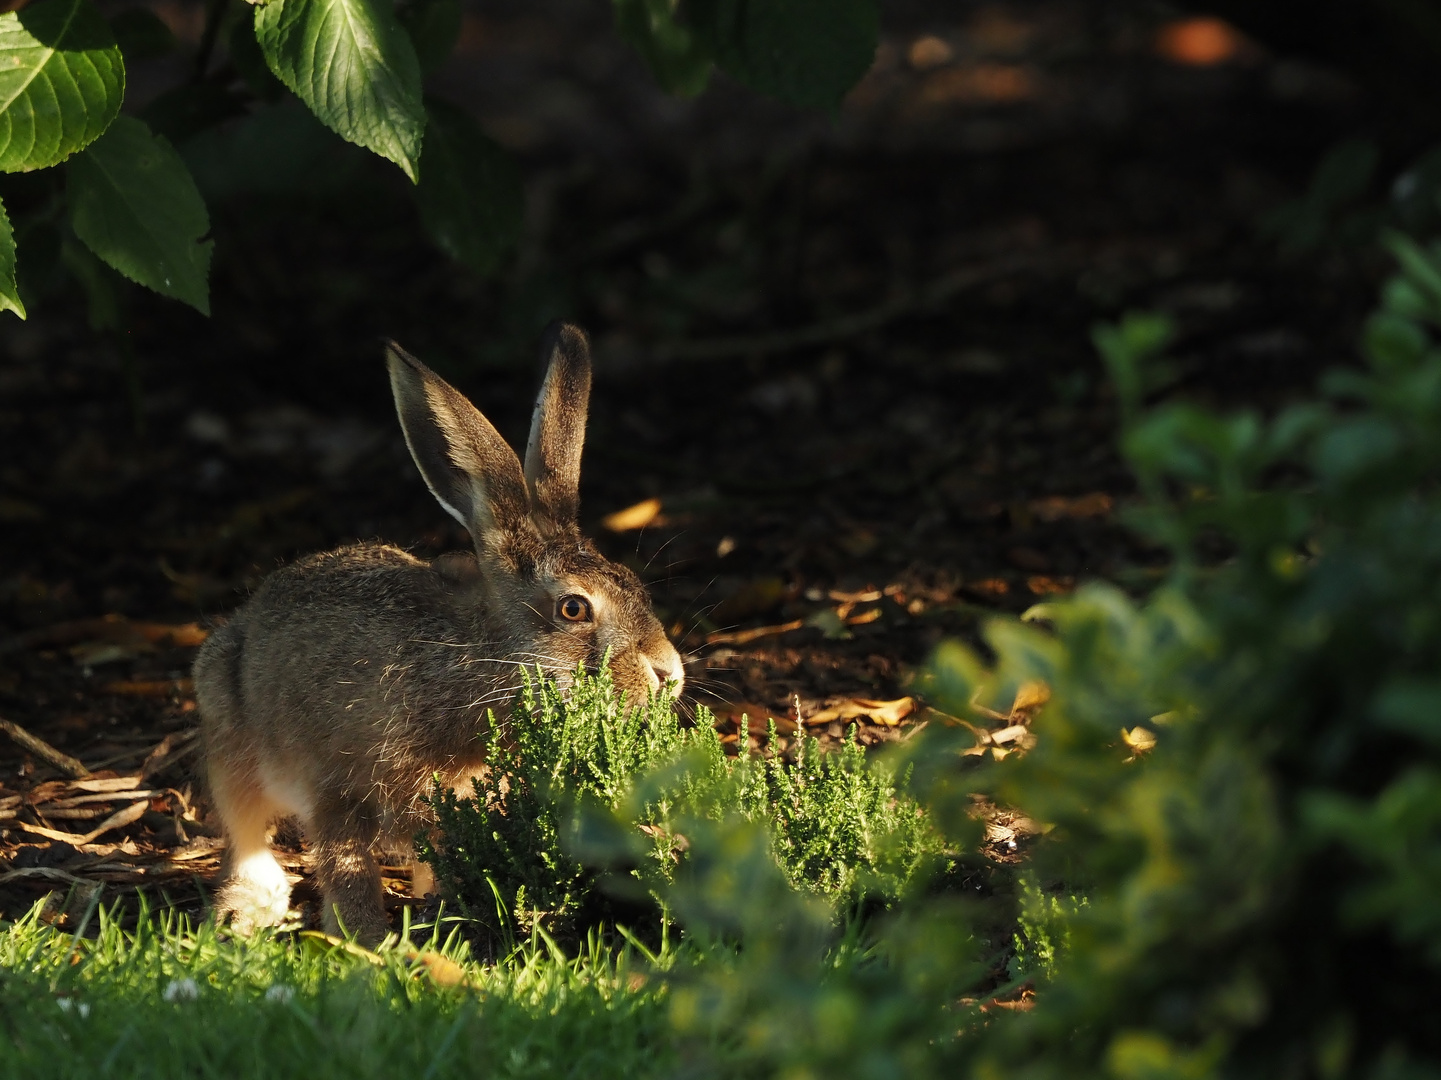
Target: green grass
{"type": "Point", "coordinates": [170, 999]}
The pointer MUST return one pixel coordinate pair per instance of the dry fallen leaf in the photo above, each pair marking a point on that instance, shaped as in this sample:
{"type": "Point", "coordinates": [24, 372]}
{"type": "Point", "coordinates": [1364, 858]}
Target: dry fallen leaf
{"type": "Point", "coordinates": [113, 783]}
{"type": "Point", "coordinates": [864, 596]}
{"type": "Point", "coordinates": [743, 637]}
{"type": "Point", "coordinates": [1199, 41]}
{"type": "Point", "coordinates": [1030, 696]}
{"type": "Point", "coordinates": [979, 84]}
{"type": "Point", "coordinates": [442, 971]}
{"type": "Point", "coordinates": [1041, 585]}
{"type": "Point", "coordinates": [889, 713]}
{"type": "Point", "coordinates": [988, 587]}
{"type": "Point", "coordinates": [1016, 733]}
{"type": "Point", "coordinates": [633, 517]}
{"type": "Point", "coordinates": [1140, 740]}
{"type": "Point", "coordinates": [149, 687]}
{"type": "Point", "coordinates": [1057, 507]}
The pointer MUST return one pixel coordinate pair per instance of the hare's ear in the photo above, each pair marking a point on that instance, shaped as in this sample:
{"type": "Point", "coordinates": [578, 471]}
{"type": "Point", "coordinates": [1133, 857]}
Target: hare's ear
{"type": "Point", "coordinates": [557, 429]}
{"type": "Point", "coordinates": [468, 467]}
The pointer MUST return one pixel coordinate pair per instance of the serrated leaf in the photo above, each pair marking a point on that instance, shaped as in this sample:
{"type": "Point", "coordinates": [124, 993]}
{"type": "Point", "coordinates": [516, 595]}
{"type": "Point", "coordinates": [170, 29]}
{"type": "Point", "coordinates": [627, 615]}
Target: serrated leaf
{"type": "Point", "coordinates": [469, 195]}
{"type": "Point", "coordinates": [9, 295]}
{"type": "Point", "coordinates": [134, 204]}
{"type": "Point", "coordinates": [677, 58]}
{"type": "Point", "coordinates": [353, 65]}
{"type": "Point", "coordinates": [61, 82]}
{"type": "Point", "coordinates": [806, 52]}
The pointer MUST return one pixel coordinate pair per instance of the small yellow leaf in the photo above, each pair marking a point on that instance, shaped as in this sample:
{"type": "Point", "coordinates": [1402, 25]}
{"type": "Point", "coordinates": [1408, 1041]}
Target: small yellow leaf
{"type": "Point", "coordinates": [1139, 739]}
{"type": "Point", "coordinates": [633, 517]}
{"type": "Point", "coordinates": [1030, 696]}
{"type": "Point", "coordinates": [442, 971]}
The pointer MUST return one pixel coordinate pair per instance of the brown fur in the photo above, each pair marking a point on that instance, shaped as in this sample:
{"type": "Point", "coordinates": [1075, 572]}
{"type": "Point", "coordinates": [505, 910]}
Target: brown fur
{"type": "Point", "coordinates": [351, 677]}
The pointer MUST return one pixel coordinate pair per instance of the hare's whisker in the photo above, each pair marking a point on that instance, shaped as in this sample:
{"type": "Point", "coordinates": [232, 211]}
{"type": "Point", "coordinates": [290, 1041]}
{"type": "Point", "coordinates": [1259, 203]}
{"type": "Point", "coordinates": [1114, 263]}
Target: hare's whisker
{"type": "Point", "coordinates": [658, 550]}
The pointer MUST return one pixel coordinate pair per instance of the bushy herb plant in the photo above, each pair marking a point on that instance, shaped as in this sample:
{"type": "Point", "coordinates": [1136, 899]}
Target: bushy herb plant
{"type": "Point", "coordinates": [519, 849]}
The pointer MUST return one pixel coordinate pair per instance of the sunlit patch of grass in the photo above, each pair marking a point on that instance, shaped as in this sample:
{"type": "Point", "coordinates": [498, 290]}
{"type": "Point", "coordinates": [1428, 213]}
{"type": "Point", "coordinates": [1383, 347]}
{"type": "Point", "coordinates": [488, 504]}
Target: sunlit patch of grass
{"type": "Point", "coordinates": [175, 999]}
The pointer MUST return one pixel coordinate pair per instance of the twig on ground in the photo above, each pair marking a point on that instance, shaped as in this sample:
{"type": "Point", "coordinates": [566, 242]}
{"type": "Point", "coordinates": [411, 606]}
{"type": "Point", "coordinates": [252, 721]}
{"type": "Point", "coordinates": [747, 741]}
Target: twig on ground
{"type": "Point", "coordinates": [170, 750]}
{"type": "Point", "coordinates": [848, 326]}
{"type": "Point", "coordinates": [62, 761]}
{"type": "Point", "coordinates": [742, 637]}
{"type": "Point", "coordinates": [78, 842]}
{"type": "Point", "coordinates": [46, 873]}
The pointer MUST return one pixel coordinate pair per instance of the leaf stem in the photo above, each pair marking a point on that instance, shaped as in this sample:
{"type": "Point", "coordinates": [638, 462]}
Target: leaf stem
{"type": "Point", "coordinates": [214, 15]}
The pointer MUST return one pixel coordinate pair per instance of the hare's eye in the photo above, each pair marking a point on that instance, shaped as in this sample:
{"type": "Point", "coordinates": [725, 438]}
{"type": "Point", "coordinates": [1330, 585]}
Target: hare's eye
{"type": "Point", "coordinates": [573, 608]}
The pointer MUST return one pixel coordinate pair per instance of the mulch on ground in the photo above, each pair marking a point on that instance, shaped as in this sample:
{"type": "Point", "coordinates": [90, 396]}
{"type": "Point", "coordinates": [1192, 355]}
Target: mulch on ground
{"type": "Point", "coordinates": [845, 402]}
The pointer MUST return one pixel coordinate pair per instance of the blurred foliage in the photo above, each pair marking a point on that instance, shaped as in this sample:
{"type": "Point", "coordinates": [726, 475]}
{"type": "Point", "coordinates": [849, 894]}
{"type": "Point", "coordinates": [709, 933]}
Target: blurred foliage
{"type": "Point", "coordinates": [1342, 209]}
{"type": "Point", "coordinates": [1043, 928]}
{"type": "Point", "coordinates": [1238, 778]}
{"type": "Point", "coordinates": [357, 67]}
{"type": "Point", "coordinates": [520, 850]}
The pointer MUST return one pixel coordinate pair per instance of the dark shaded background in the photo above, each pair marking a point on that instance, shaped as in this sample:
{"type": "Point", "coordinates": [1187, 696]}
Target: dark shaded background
{"type": "Point", "coordinates": [849, 354]}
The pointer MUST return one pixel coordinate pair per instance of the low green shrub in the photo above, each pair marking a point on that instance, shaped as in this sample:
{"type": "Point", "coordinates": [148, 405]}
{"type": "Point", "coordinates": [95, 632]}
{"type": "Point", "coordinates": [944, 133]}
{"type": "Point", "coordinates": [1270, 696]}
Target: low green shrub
{"type": "Point", "coordinates": [1240, 773]}
{"type": "Point", "coordinates": [511, 850]}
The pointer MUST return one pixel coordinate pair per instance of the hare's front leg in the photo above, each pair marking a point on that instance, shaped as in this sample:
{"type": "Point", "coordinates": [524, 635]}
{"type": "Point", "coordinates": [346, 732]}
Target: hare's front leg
{"type": "Point", "coordinates": [342, 837]}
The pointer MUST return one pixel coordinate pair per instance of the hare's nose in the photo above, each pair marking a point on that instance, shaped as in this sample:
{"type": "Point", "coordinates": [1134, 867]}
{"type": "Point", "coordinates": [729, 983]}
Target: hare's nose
{"type": "Point", "coordinates": [667, 669]}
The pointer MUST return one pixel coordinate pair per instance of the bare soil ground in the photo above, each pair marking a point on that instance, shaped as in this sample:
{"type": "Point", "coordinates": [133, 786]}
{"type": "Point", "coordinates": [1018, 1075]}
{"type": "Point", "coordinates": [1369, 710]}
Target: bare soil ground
{"type": "Point", "coordinates": [847, 357]}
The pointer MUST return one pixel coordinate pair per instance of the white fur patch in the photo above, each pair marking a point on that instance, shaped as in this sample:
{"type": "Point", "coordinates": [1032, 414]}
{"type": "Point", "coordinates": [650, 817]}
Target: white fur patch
{"type": "Point", "coordinates": [288, 793]}
{"type": "Point", "coordinates": [258, 894]}
{"type": "Point", "coordinates": [260, 870]}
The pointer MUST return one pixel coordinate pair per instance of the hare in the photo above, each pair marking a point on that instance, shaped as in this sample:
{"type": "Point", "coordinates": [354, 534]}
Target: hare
{"type": "Point", "coordinates": [351, 678]}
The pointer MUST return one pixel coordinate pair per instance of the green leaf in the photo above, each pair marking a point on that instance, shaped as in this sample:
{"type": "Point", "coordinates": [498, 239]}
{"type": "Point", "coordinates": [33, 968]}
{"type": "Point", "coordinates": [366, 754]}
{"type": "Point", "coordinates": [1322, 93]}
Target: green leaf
{"type": "Point", "coordinates": [61, 82]}
{"type": "Point", "coordinates": [806, 52]}
{"type": "Point", "coordinates": [469, 195]}
{"type": "Point", "coordinates": [1128, 349]}
{"type": "Point", "coordinates": [434, 28]}
{"type": "Point", "coordinates": [1412, 706]}
{"type": "Point", "coordinates": [353, 65]}
{"type": "Point", "coordinates": [676, 57]}
{"type": "Point", "coordinates": [9, 296]}
{"type": "Point", "coordinates": [1354, 446]}
{"type": "Point", "coordinates": [133, 203]}
{"type": "Point", "coordinates": [1416, 194]}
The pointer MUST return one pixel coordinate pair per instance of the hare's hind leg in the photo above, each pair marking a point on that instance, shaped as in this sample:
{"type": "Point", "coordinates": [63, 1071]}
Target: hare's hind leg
{"type": "Point", "coordinates": [342, 836]}
{"type": "Point", "coordinates": [256, 891]}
